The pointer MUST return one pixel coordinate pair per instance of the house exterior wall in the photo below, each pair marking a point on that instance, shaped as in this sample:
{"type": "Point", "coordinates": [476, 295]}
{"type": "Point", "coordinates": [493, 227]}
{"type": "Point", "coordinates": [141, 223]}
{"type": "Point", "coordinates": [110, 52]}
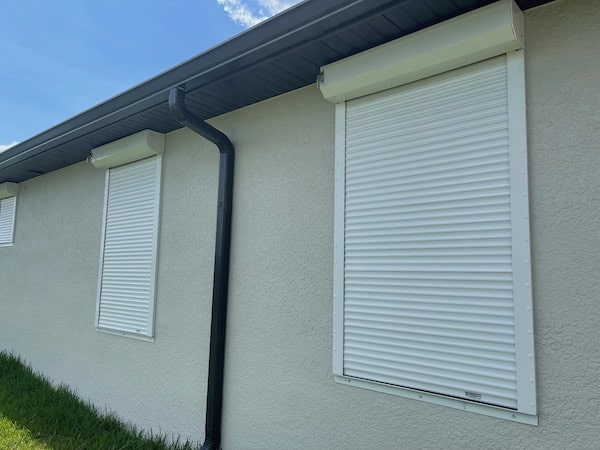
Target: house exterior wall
{"type": "Point", "coordinates": [279, 392]}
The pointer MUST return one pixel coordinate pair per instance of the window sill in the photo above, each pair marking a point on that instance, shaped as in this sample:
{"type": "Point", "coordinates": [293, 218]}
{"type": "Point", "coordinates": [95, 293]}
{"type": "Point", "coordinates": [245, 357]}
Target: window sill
{"type": "Point", "coordinates": [464, 405]}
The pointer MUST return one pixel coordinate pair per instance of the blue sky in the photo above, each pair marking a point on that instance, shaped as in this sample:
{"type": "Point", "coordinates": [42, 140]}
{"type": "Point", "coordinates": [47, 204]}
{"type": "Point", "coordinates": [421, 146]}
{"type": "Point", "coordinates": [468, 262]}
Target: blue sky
{"type": "Point", "coordinates": [62, 57]}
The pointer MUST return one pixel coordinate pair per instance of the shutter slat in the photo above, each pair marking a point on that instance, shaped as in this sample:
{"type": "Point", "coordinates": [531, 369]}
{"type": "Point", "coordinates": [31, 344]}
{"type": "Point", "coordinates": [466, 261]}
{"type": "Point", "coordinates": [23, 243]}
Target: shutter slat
{"type": "Point", "coordinates": [446, 345]}
{"type": "Point", "coordinates": [428, 290]}
{"type": "Point", "coordinates": [463, 293]}
{"type": "Point", "coordinates": [412, 330]}
{"type": "Point", "coordinates": [391, 197]}
{"type": "Point", "coordinates": [431, 138]}
{"type": "Point", "coordinates": [383, 150]}
{"type": "Point", "coordinates": [129, 248]}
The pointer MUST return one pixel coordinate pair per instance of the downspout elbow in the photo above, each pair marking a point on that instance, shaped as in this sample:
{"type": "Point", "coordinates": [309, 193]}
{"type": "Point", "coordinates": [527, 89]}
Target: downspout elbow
{"type": "Point", "coordinates": [185, 117]}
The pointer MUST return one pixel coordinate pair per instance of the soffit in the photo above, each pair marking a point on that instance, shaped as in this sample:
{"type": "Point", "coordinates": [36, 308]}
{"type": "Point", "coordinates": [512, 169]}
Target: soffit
{"type": "Point", "coordinates": [280, 55]}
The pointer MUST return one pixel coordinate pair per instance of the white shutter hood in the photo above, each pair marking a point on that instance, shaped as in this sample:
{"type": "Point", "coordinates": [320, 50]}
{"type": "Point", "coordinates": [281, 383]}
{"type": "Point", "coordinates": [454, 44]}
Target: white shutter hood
{"type": "Point", "coordinates": [484, 33]}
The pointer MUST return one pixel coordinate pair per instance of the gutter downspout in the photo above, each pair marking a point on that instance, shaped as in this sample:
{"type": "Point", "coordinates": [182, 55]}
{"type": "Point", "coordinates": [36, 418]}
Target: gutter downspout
{"type": "Point", "coordinates": [214, 395]}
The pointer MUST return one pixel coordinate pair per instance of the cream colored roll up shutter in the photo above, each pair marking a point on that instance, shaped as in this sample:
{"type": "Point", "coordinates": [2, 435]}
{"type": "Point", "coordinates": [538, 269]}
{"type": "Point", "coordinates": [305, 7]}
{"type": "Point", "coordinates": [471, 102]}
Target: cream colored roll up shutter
{"type": "Point", "coordinates": [127, 283]}
{"type": "Point", "coordinates": [428, 282]}
{"type": "Point", "coordinates": [7, 219]}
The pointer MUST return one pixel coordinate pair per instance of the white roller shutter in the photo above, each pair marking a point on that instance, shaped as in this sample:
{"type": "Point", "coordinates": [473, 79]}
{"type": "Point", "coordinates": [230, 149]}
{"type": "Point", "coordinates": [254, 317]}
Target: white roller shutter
{"type": "Point", "coordinates": [428, 298]}
{"type": "Point", "coordinates": [127, 279]}
{"type": "Point", "coordinates": [7, 219]}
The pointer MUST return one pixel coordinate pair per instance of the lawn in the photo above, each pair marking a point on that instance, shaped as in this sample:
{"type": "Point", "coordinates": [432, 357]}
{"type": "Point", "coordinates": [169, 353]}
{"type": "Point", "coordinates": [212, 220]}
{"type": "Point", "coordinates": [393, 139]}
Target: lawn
{"type": "Point", "coordinates": [34, 415]}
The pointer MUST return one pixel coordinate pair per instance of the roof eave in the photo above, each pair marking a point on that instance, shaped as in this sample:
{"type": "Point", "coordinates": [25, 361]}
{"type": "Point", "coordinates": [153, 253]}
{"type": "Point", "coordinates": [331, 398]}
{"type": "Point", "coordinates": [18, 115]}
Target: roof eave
{"type": "Point", "coordinates": [293, 30]}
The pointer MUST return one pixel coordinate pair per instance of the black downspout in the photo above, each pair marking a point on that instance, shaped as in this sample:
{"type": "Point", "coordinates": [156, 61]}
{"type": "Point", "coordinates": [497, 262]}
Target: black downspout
{"type": "Point", "coordinates": [214, 395]}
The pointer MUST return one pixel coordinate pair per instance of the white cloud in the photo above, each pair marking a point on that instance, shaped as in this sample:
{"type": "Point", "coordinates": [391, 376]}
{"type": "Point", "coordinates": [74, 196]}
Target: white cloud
{"type": "Point", "coordinates": [6, 147]}
{"type": "Point", "coordinates": [250, 12]}
{"type": "Point", "coordinates": [275, 6]}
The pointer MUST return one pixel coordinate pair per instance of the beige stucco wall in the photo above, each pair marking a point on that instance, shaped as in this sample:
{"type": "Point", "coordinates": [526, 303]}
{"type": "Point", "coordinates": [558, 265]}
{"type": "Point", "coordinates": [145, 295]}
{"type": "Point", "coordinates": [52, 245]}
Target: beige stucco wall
{"type": "Point", "coordinates": [279, 391]}
{"type": "Point", "coordinates": [48, 299]}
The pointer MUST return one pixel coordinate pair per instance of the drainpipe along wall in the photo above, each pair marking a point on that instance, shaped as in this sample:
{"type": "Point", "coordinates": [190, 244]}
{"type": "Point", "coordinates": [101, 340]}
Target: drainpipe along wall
{"type": "Point", "coordinates": [214, 395]}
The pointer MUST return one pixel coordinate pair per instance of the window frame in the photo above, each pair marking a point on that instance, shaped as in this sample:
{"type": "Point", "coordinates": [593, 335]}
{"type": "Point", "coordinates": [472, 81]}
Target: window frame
{"type": "Point", "coordinates": [522, 293]}
{"type": "Point", "coordinates": [12, 219]}
{"type": "Point", "coordinates": [149, 336]}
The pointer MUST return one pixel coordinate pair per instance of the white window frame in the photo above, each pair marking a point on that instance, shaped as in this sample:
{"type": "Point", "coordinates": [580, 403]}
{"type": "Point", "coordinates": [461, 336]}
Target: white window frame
{"type": "Point", "coordinates": [147, 334]}
{"type": "Point", "coordinates": [349, 79]}
{"type": "Point", "coordinates": [8, 193]}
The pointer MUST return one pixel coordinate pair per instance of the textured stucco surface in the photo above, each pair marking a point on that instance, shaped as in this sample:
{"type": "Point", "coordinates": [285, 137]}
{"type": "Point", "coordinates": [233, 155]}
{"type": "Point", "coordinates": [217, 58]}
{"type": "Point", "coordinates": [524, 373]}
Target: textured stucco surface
{"type": "Point", "coordinates": [49, 281]}
{"type": "Point", "coordinates": [279, 391]}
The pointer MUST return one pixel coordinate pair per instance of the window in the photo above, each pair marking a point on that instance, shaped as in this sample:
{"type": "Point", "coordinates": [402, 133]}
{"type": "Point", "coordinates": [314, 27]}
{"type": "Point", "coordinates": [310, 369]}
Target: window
{"type": "Point", "coordinates": [129, 248]}
{"type": "Point", "coordinates": [8, 206]}
{"type": "Point", "coordinates": [432, 284]}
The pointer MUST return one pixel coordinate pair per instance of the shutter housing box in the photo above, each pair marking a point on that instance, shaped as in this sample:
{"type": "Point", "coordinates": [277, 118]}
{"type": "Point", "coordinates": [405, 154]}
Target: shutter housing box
{"type": "Point", "coordinates": [484, 33]}
{"type": "Point", "coordinates": [8, 190]}
{"type": "Point", "coordinates": [131, 148]}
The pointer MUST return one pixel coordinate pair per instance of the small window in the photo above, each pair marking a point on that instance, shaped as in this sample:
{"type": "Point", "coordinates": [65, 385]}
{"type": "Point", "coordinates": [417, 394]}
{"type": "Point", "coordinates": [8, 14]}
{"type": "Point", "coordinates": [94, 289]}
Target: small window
{"type": "Point", "coordinates": [7, 219]}
{"type": "Point", "coordinates": [126, 296]}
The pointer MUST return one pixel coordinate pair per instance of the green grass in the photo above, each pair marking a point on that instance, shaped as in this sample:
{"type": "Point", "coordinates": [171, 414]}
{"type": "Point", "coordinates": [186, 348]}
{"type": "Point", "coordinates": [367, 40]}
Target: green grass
{"type": "Point", "coordinates": [34, 415]}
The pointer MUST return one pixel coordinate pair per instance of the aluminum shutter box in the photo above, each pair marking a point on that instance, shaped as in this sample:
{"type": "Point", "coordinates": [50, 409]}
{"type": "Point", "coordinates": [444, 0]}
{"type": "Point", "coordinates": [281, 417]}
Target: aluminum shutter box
{"type": "Point", "coordinates": [428, 264]}
{"type": "Point", "coordinates": [7, 219]}
{"type": "Point", "coordinates": [127, 280]}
